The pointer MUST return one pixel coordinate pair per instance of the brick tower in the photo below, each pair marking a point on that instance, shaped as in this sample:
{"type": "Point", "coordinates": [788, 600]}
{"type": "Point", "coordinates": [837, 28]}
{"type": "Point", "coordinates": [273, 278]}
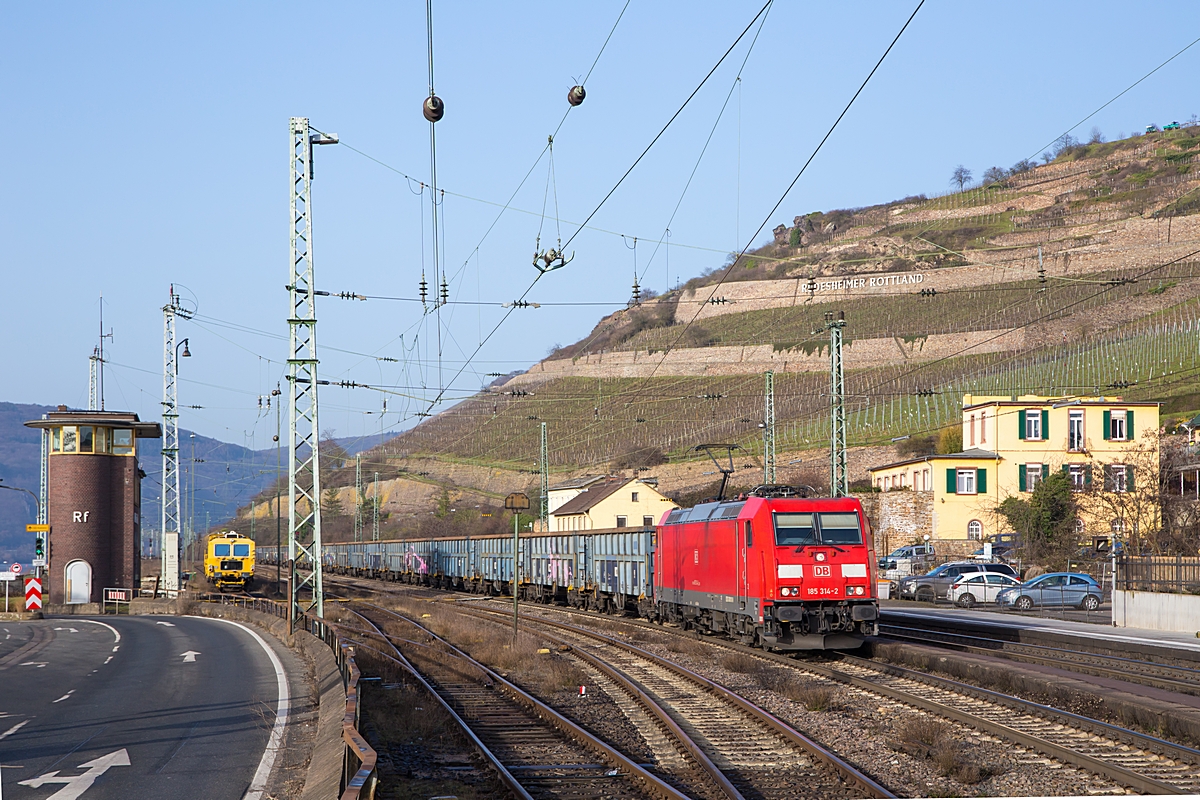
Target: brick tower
{"type": "Point", "coordinates": [93, 502]}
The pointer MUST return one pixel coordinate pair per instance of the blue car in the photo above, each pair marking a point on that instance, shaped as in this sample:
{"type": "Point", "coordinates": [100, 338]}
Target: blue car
{"type": "Point", "coordinates": [1054, 589]}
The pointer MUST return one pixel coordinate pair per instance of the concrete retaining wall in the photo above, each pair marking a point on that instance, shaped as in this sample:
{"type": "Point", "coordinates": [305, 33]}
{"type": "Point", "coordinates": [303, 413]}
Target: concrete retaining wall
{"type": "Point", "coordinates": [1157, 611]}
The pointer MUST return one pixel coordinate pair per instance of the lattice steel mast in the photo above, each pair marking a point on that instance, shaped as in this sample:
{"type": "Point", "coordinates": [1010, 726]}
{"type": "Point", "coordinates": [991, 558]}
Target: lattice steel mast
{"type": "Point", "coordinates": [94, 380]}
{"type": "Point", "coordinates": [304, 457]}
{"type": "Point", "coordinates": [543, 463]}
{"type": "Point", "coordinates": [839, 482]}
{"type": "Point", "coordinates": [769, 429]}
{"type": "Point", "coordinates": [171, 514]}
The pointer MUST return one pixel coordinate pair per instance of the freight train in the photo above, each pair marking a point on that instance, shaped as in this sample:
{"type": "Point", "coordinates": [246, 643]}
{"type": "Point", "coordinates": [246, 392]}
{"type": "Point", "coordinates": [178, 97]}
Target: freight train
{"type": "Point", "coordinates": [771, 568]}
{"type": "Point", "coordinates": [229, 560]}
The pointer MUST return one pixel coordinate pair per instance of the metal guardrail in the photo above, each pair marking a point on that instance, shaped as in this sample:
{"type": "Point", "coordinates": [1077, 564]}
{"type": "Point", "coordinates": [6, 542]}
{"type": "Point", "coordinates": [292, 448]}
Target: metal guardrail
{"type": "Point", "coordinates": [1176, 574]}
{"type": "Point", "coordinates": [360, 775]}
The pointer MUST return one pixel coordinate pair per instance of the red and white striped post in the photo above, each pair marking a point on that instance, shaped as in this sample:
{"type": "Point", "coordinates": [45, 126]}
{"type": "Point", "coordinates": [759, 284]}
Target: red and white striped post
{"type": "Point", "coordinates": [33, 594]}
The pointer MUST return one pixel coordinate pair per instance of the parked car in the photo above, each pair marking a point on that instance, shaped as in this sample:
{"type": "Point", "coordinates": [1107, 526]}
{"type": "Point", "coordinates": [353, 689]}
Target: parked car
{"type": "Point", "coordinates": [1054, 589]}
{"type": "Point", "coordinates": [979, 587]}
{"type": "Point", "coordinates": [1003, 546]}
{"type": "Point", "coordinates": [902, 560]}
{"type": "Point", "coordinates": [1171, 126]}
{"type": "Point", "coordinates": [935, 584]}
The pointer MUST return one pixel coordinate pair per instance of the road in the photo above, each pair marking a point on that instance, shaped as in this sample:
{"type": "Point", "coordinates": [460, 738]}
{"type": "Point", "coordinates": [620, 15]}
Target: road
{"type": "Point", "coordinates": [131, 707]}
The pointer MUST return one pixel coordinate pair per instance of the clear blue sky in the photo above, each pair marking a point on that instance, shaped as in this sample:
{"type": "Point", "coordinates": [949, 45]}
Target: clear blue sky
{"type": "Point", "coordinates": [147, 144]}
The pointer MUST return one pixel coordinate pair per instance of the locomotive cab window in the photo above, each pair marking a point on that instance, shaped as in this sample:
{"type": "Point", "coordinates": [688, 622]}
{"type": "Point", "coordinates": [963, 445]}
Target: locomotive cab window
{"type": "Point", "coordinates": [749, 534]}
{"type": "Point", "coordinates": [241, 550]}
{"type": "Point", "coordinates": [793, 530]}
{"type": "Point", "coordinates": [221, 550]}
{"type": "Point", "coordinates": [840, 528]}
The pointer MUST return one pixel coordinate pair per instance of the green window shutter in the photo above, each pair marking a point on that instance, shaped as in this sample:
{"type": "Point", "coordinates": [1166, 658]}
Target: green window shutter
{"type": "Point", "coordinates": [1128, 478]}
{"type": "Point", "coordinates": [1108, 479]}
{"type": "Point", "coordinates": [1021, 424]}
{"type": "Point", "coordinates": [981, 481]}
{"type": "Point", "coordinates": [1066, 470]}
{"type": "Point", "coordinates": [1129, 424]}
{"type": "Point", "coordinates": [1087, 474]}
{"type": "Point", "coordinates": [1045, 471]}
{"type": "Point", "coordinates": [1022, 481]}
{"type": "Point", "coordinates": [1107, 424]}
{"type": "Point", "coordinates": [1045, 425]}
{"type": "Point", "coordinates": [951, 481]}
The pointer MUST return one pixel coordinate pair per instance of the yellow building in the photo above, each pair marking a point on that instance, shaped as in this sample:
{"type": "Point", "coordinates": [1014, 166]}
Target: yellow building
{"type": "Point", "coordinates": [610, 503]}
{"type": "Point", "coordinates": [1107, 447]}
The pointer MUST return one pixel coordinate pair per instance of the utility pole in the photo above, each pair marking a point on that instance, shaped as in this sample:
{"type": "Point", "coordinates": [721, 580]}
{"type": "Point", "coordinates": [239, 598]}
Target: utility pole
{"type": "Point", "coordinates": [44, 492]}
{"type": "Point", "coordinates": [544, 504]}
{"type": "Point", "coordinates": [358, 496]}
{"type": "Point", "coordinates": [305, 586]}
{"type": "Point", "coordinates": [169, 527]}
{"type": "Point", "coordinates": [769, 430]}
{"type": "Point", "coordinates": [839, 482]}
{"type": "Point", "coordinates": [275, 393]}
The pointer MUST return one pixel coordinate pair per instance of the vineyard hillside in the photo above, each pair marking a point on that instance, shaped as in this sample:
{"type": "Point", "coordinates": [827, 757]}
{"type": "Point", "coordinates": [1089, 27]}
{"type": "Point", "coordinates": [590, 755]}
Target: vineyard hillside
{"type": "Point", "coordinates": [1078, 276]}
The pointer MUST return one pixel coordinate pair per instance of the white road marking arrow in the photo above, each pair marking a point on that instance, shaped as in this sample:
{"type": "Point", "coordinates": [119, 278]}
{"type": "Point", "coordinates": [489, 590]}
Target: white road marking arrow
{"type": "Point", "coordinates": [78, 784]}
{"type": "Point", "coordinates": [72, 630]}
{"type": "Point", "coordinates": [168, 624]}
{"type": "Point", "coordinates": [190, 655]}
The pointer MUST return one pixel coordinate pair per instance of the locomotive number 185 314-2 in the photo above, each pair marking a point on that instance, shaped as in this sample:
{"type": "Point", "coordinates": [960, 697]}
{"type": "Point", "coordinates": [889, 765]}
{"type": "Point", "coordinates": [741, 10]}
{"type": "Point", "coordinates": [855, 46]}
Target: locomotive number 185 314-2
{"type": "Point", "coordinates": [820, 591]}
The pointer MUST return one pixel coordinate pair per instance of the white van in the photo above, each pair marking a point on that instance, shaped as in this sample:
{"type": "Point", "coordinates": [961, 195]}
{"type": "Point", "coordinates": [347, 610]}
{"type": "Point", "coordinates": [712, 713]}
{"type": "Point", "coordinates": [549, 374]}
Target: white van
{"type": "Point", "coordinates": [908, 560]}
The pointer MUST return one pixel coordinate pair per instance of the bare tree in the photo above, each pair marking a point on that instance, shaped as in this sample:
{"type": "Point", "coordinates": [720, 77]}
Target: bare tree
{"type": "Point", "coordinates": [1096, 136]}
{"type": "Point", "coordinates": [1024, 165]}
{"type": "Point", "coordinates": [1047, 157]}
{"type": "Point", "coordinates": [1065, 144]}
{"type": "Point", "coordinates": [994, 175]}
{"type": "Point", "coordinates": [961, 176]}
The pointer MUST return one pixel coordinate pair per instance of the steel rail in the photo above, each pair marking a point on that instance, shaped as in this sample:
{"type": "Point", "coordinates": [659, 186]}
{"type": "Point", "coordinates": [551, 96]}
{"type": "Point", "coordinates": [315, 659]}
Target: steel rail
{"type": "Point", "coordinates": [642, 697]}
{"type": "Point", "coordinates": [844, 768]}
{"type": "Point", "coordinates": [1072, 660]}
{"type": "Point", "coordinates": [652, 782]}
{"type": "Point", "coordinates": [1115, 772]}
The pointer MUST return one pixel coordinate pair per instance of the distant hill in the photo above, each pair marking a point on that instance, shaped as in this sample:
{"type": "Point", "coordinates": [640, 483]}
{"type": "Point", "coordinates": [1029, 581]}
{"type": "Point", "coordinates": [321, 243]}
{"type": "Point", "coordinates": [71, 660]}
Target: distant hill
{"type": "Point", "coordinates": [226, 476]}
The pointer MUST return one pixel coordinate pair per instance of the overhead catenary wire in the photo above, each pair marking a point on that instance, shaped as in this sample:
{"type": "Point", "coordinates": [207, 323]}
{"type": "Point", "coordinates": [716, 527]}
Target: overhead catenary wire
{"type": "Point", "coordinates": [794, 181]}
{"type": "Point", "coordinates": [600, 205]}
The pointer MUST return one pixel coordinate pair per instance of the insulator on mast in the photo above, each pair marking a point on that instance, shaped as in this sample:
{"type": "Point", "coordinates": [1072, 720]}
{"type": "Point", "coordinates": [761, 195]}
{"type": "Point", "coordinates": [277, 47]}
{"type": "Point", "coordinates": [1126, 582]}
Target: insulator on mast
{"type": "Point", "coordinates": [445, 293]}
{"type": "Point", "coordinates": [433, 108]}
{"type": "Point", "coordinates": [637, 292]}
{"type": "Point", "coordinates": [424, 287]}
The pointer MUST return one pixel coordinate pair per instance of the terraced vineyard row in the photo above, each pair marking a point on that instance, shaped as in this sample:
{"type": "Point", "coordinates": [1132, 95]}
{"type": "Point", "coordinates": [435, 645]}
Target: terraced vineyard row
{"type": "Point", "coordinates": [910, 315]}
{"type": "Point", "coordinates": [592, 421]}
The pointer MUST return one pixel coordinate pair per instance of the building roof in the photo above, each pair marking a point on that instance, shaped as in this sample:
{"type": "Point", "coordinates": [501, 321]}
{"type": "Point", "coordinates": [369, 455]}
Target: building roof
{"type": "Point", "coordinates": [111, 419]}
{"type": "Point", "coordinates": [587, 499]}
{"type": "Point", "coordinates": [974, 453]}
{"type": "Point", "coordinates": [1061, 402]}
{"type": "Point", "coordinates": [578, 483]}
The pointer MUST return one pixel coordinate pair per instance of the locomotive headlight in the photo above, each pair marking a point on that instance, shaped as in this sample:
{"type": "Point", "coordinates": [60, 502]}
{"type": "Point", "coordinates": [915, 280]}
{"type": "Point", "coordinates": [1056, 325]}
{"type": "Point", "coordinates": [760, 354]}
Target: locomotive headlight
{"type": "Point", "coordinates": [820, 556]}
{"type": "Point", "coordinates": [785, 591]}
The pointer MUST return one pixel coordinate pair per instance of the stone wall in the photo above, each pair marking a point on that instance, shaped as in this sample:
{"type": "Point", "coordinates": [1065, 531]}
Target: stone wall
{"type": "Point", "coordinates": [898, 518]}
{"type": "Point", "coordinates": [756, 359]}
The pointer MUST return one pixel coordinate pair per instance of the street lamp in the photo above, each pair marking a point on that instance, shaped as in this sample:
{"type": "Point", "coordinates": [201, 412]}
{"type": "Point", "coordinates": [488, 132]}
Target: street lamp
{"type": "Point", "coordinates": [37, 501]}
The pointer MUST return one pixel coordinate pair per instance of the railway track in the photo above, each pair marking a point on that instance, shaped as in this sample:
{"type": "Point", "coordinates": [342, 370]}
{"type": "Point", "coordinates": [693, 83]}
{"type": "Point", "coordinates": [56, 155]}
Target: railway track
{"type": "Point", "coordinates": [537, 753]}
{"type": "Point", "coordinates": [1144, 763]}
{"type": "Point", "coordinates": [744, 751]}
{"type": "Point", "coordinates": [1147, 673]}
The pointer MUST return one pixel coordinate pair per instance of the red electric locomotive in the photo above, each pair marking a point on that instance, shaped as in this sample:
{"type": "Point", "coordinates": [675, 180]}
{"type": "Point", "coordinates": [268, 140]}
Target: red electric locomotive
{"type": "Point", "coordinates": [771, 568]}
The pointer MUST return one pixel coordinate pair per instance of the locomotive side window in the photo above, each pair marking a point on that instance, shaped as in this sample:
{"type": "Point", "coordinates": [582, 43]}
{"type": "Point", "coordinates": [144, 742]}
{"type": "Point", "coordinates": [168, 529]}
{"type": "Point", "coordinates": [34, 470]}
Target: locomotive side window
{"type": "Point", "coordinates": [840, 528]}
{"type": "Point", "coordinates": [749, 534]}
{"type": "Point", "coordinates": [794, 529]}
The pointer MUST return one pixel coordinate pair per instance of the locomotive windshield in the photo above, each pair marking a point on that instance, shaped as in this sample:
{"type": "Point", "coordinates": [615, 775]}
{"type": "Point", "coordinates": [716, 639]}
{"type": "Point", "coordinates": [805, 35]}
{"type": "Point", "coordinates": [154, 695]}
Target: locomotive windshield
{"type": "Point", "coordinates": [220, 550]}
{"type": "Point", "coordinates": [794, 529]}
{"type": "Point", "coordinates": [840, 528]}
{"type": "Point", "coordinates": [799, 530]}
